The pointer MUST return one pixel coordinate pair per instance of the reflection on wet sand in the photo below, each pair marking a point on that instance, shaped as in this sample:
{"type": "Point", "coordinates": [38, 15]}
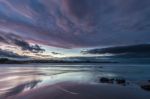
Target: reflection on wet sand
{"type": "Point", "coordinates": [20, 88]}
{"type": "Point", "coordinates": [59, 81]}
{"type": "Point", "coordinates": [74, 90]}
{"type": "Point", "coordinates": [11, 76]}
{"type": "Point", "coordinates": [77, 85]}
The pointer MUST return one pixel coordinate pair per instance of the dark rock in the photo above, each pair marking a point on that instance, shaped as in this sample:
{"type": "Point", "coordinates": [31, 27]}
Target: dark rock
{"type": "Point", "coordinates": [111, 80]}
{"type": "Point", "coordinates": [106, 80]}
{"type": "Point", "coordinates": [146, 87]}
{"type": "Point", "coordinates": [120, 81]}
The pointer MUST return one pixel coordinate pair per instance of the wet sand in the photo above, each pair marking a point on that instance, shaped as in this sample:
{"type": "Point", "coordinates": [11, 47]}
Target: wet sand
{"type": "Point", "coordinates": [75, 82]}
{"type": "Point", "coordinates": [72, 90]}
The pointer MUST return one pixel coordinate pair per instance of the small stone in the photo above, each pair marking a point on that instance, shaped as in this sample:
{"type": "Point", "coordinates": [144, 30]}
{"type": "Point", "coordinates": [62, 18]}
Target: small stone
{"type": "Point", "coordinates": [146, 87]}
{"type": "Point", "coordinates": [106, 80]}
{"type": "Point", "coordinates": [120, 81]}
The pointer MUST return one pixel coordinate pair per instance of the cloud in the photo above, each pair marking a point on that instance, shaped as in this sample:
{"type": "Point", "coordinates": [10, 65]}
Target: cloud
{"type": "Point", "coordinates": [9, 54]}
{"type": "Point", "coordinates": [56, 53]}
{"type": "Point", "coordinates": [13, 39]}
{"type": "Point", "coordinates": [27, 47]}
{"type": "Point", "coordinates": [77, 23]}
{"type": "Point", "coordinates": [142, 50]}
{"type": "Point", "coordinates": [3, 40]}
{"type": "Point", "coordinates": [43, 56]}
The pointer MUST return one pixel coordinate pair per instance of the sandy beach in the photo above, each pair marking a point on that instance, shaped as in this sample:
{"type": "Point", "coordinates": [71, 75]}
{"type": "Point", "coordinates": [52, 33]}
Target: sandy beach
{"type": "Point", "coordinates": [59, 82]}
{"type": "Point", "coordinates": [72, 90]}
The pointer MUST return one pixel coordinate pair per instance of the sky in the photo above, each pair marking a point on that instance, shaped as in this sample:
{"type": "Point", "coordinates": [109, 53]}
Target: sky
{"type": "Point", "coordinates": [61, 28]}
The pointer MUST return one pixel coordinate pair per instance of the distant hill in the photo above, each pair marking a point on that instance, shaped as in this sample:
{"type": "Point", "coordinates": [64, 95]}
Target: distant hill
{"type": "Point", "coordinates": [13, 61]}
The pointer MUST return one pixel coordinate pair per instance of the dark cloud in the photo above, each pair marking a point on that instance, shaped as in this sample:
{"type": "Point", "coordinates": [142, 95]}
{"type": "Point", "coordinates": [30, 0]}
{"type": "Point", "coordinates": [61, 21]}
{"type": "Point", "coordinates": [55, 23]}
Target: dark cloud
{"type": "Point", "coordinates": [9, 54]}
{"type": "Point", "coordinates": [3, 40]}
{"type": "Point", "coordinates": [77, 23]}
{"type": "Point", "coordinates": [18, 41]}
{"type": "Point", "coordinates": [56, 53]}
{"type": "Point", "coordinates": [27, 47]}
{"type": "Point", "coordinates": [142, 50]}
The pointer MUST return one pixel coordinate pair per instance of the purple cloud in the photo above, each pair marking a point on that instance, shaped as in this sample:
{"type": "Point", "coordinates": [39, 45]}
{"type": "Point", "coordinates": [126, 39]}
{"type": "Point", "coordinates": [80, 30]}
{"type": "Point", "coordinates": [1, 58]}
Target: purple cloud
{"type": "Point", "coordinates": [77, 23]}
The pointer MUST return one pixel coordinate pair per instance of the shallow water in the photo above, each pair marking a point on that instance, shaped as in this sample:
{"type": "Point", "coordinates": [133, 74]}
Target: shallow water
{"type": "Point", "coordinates": [36, 75]}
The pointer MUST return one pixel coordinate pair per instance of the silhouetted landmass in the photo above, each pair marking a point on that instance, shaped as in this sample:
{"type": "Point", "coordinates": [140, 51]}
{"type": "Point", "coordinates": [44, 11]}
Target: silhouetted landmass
{"type": "Point", "coordinates": [11, 61]}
